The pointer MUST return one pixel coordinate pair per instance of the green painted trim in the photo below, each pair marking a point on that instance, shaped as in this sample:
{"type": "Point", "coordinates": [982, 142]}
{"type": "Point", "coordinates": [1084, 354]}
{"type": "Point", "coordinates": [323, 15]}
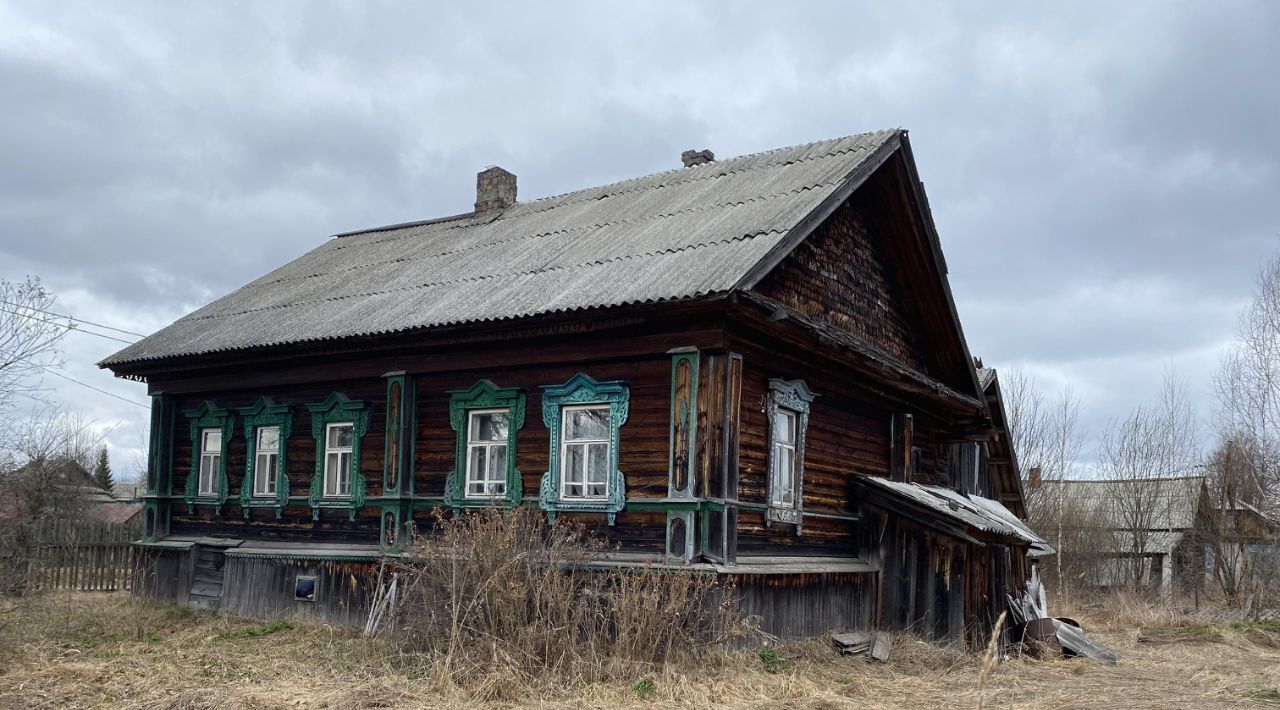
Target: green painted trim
{"type": "Point", "coordinates": [208, 416]}
{"type": "Point", "coordinates": [316, 556]}
{"type": "Point", "coordinates": [397, 455]}
{"type": "Point", "coordinates": [684, 426]}
{"type": "Point", "coordinates": [643, 505]}
{"type": "Point", "coordinates": [337, 409]}
{"type": "Point", "coordinates": [265, 413]}
{"type": "Point", "coordinates": [484, 395]}
{"type": "Point", "coordinates": [582, 389]}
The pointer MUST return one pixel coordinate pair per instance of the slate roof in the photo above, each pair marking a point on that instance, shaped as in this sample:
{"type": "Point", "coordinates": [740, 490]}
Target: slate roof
{"type": "Point", "coordinates": [971, 511]}
{"type": "Point", "coordinates": [1167, 504]}
{"type": "Point", "coordinates": [679, 234]}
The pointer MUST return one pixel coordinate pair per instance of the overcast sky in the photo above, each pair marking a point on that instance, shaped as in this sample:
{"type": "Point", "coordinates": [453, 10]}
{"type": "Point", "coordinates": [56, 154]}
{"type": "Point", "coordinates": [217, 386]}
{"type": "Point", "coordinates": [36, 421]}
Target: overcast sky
{"type": "Point", "coordinates": [1105, 178]}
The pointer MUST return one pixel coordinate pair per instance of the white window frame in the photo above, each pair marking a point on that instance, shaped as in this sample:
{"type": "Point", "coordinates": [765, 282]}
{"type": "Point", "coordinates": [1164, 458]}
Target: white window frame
{"type": "Point", "coordinates": [210, 462]}
{"type": "Point", "coordinates": [331, 489]}
{"type": "Point", "coordinates": [489, 479]}
{"type": "Point", "coordinates": [565, 443]}
{"type": "Point", "coordinates": [778, 445]}
{"type": "Point", "coordinates": [265, 463]}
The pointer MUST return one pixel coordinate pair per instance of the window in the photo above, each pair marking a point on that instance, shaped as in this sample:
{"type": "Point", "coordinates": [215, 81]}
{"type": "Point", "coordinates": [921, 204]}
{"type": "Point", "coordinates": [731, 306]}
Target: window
{"type": "Point", "coordinates": [487, 432]}
{"type": "Point", "coordinates": [337, 426]}
{"type": "Point", "coordinates": [210, 461]}
{"type": "Point", "coordinates": [304, 588]}
{"type": "Point", "coordinates": [585, 452]}
{"type": "Point", "coordinates": [585, 418]}
{"type": "Point", "coordinates": [783, 460]}
{"type": "Point", "coordinates": [206, 483]}
{"type": "Point", "coordinates": [266, 461]}
{"type": "Point", "coordinates": [787, 414]}
{"type": "Point", "coordinates": [485, 419]}
{"type": "Point", "coordinates": [339, 443]}
{"type": "Point", "coordinates": [267, 427]}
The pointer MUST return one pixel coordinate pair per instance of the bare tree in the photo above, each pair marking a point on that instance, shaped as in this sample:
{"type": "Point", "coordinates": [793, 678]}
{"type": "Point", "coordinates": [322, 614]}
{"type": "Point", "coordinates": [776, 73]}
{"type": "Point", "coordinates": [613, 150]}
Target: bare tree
{"type": "Point", "coordinates": [1248, 377]}
{"type": "Point", "coordinates": [1046, 438]}
{"type": "Point", "coordinates": [29, 338]}
{"type": "Point", "coordinates": [1139, 455]}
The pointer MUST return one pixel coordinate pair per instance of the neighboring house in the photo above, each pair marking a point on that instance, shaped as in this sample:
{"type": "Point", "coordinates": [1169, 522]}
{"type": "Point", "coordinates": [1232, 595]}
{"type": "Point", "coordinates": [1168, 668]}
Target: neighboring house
{"type": "Point", "coordinates": [75, 482]}
{"type": "Point", "coordinates": [751, 367]}
{"type": "Point", "coordinates": [1149, 531]}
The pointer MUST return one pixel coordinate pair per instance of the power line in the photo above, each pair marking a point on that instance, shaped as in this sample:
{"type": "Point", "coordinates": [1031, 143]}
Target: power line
{"type": "Point", "coordinates": [95, 389]}
{"type": "Point", "coordinates": [67, 326]}
{"type": "Point", "coordinates": [78, 320]}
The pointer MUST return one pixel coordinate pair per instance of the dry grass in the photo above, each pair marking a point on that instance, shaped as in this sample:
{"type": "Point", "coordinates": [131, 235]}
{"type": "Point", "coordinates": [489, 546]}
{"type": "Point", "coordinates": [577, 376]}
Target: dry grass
{"type": "Point", "coordinates": [499, 603]}
{"type": "Point", "coordinates": [104, 651]}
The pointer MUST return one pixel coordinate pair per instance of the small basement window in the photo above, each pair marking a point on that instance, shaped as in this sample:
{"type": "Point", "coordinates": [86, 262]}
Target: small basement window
{"type": "Point", "coordinates": [304, 588]}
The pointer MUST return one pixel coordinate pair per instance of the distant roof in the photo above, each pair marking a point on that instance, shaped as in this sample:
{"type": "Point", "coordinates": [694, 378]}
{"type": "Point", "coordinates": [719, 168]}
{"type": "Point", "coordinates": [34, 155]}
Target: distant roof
{"type": "Point", "coordinates": [683, 233]}
{"type": "Point", "coordinates": [985, 376]}
{"type": "Point", "coordinates": [1161, 503]}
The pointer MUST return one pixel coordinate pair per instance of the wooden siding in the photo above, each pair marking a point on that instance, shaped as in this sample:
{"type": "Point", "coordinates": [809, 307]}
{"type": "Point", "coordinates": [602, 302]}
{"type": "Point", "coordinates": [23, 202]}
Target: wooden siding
{"type": "Point", "coordinates": [264, 589]}
{"type": "Point", "coordinates": [806, 605]}
{"type": "Point", "coordinates": [841, 275]}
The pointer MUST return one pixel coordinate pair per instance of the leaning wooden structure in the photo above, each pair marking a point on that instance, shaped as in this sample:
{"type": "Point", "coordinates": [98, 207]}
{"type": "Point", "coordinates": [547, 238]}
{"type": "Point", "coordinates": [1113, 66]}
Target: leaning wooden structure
{"type": "Point", "coordinates": [752, 366]}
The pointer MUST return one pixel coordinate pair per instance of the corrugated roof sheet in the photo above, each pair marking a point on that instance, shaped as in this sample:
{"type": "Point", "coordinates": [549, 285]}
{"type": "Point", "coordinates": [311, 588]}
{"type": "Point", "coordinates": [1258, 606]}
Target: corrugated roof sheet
{"type": "Point", "coordinates": [678, 234]}
{"type": "Point", "coordinates": [1143, 503]}
{"type": "Point", "coordinates": [972, 511]}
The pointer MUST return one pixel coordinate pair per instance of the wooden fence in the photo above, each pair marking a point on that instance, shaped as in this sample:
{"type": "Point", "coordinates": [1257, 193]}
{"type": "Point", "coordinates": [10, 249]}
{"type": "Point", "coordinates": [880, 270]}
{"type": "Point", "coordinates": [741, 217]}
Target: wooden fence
{"type": "Point", "coordinates": [85, 555]}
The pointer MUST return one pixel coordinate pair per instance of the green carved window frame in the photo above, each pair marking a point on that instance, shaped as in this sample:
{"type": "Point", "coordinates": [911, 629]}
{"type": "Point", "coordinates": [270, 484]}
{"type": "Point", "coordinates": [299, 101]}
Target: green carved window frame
{"type": "Point", "coordinates": [338, 409]}
{"type": "Point", "coordinates": [265, 414]}
{"type": "Point", "coordinates": [207, 416]}
{"type": "Point", "coordinates": [484, 396]}
{"type": "Point", "coordinates": [581, 390]}
{"type": "Point", "coordinates": [793, 396]}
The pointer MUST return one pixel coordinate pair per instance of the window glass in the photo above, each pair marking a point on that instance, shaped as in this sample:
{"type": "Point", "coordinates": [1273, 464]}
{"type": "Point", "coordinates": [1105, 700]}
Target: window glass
{"type": "Point", "coordinates": [783, 466]}
{"type": "Point", "coordinates": [590, 423]}
{"type": "Point", "coordinates": [268, 438]}
{"type": "Point", "coordinates": [341, 436]}
{"type": "Point", "coordinates": [489, 426]}
{"type": "Point", "coordinates": [212, 441]}
{"type": "Point", "coordinates": [586, 452]}
{"type": "Point", "coordinates": [487, 454]}
{"type": "Point", "coordinates": [266, 460]}
{"type": "Point", "coordinates": [337, 469]}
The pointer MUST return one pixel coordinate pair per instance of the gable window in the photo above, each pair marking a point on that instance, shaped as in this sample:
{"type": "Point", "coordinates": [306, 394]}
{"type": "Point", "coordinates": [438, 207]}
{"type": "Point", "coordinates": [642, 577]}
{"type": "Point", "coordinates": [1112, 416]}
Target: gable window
{"type": "Point", "coordinates": [585, 452]}
{"type": "Point", "coordinates": [339, 445]}
{"type": "Point", "coordinates": [487, 453]}
{"type": "Point", "coordinates": [267, 458]}
{"type": "Point", "coordinates": [486, 419]}
{"type": "Point", "coordinates": [585, 417]}
{"type": "Point", "coordinates": [787, 412]}
{"type": "Point", "coordinates": [210, 461]}
{"type": "Point", "coordinates": [783, 492]}
{"type": "Point", "coordinates": [207, 477]}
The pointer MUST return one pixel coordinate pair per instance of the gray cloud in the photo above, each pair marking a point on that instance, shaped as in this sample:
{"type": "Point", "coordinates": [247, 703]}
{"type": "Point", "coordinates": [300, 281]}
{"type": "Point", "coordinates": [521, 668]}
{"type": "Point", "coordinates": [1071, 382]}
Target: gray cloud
{"type": "Point", "coordinates": [1103, 176]}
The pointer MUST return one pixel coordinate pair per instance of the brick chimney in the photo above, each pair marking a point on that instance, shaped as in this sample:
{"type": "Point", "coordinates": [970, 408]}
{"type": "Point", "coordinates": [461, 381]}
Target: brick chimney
{"type": "Point", "coordinates": [495, 189]}
{"type": "Point", "coordinates": [697, 157]}
{"type": "Point", "coordinates": [1033, 477]}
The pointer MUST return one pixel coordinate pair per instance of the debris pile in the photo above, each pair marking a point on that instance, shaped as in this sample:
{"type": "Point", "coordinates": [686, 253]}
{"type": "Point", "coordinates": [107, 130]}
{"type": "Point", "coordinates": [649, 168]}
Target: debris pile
{"type": "Point", "coordinates": [856, 643]}
{"type": "Point", "coordinates": [1042, 634]}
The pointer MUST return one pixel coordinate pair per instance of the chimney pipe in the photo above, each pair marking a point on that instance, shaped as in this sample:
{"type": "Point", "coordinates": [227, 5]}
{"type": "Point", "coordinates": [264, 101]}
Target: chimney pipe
{"type": "Point", "coordinates": [691, 158]}
{"type": "Point", "coordinates": [495, 189]}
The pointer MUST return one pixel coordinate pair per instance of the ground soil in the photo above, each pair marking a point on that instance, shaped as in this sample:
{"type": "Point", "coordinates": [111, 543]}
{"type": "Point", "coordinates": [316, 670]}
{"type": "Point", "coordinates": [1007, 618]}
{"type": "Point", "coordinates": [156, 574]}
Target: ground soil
{"type": "Point", "coordinates": [106, 651]}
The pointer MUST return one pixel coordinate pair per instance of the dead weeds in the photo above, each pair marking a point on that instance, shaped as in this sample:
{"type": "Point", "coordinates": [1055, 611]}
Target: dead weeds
{"type": "Point", "coordinates": [106, 651]}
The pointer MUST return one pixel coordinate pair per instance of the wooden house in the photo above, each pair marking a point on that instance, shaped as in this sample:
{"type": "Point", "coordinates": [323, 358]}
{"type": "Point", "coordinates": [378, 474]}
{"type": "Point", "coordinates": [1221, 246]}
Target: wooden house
{"type": "Point", "coordinates": [749, 366]}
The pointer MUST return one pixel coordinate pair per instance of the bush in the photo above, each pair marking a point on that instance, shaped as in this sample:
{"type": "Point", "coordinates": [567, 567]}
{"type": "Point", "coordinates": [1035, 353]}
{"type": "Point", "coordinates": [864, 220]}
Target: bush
{"type": "Point", "coordinates": [503, 594]}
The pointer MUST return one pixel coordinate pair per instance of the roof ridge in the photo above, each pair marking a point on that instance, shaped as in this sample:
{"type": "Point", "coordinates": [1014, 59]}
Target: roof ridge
{"type": "Point", "coordinates": [691, 171]}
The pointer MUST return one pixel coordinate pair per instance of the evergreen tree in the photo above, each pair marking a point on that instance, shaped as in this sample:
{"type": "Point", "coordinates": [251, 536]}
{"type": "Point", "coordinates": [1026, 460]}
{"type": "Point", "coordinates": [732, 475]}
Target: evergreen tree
{"type": "Point", "coordinates": [102, 472]}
